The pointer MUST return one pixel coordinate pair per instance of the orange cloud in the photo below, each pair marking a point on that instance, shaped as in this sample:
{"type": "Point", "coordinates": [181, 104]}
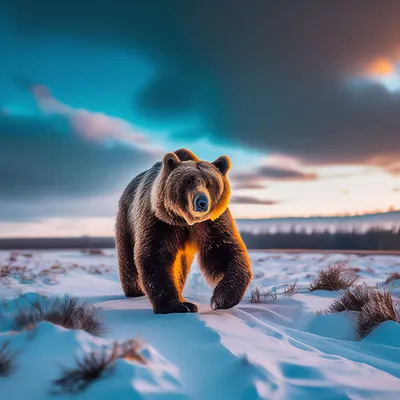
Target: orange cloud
{"type": "Point", "coordinates": [381, 66]}
{"type": "Point", "coordinates": [390, 163]}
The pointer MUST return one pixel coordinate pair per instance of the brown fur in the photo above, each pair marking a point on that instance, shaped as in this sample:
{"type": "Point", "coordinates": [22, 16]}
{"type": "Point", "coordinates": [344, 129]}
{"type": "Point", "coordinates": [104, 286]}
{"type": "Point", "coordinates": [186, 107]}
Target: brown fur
{"type": "Point", "coordinates": [158, 234]}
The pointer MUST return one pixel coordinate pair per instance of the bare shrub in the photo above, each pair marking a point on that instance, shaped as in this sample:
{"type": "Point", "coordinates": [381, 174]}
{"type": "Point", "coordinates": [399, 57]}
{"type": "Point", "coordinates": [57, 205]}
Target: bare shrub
{"type": "Point", "coordinates": [381, 307]}
{"type": "Point", "coordinates": [12, 257]}
{"type": "Point", "coordinates": [373, 305]}
{"type": "Point", "coordinates": [68, 313]}
{"type": "Point", "coordinates": [94, 365]}
{"type": "Point", "coordinates": [262, 296]}
{"type": "Point", "coordinates": [95, 252]}
{"type": "Point", "coordinates": [255, 296]}
{"type": "Point", "coordinates": [356, 270]}
{"type": "Point", "coordinates": [291, 289]}
{"type": "Point", "coordinates": [335, 277]}
{"type": "Point", "coordinates": [352, 299]}
{"type": "Point", "coordinates": [392, 277]}
{"type": "Point", "coordinates": [91, 367]}
{"type": "Point", "coordinates": [13, 271]}
{"type": "Point", "coordinates": [7, 364]}
{"type": "Point", "coordinates": [5, 274]}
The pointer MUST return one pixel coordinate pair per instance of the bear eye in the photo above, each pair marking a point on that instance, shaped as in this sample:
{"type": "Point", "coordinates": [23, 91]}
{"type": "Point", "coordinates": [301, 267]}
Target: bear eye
{"type": "Point", "coordinates": [191, 180]}
{"type": "Point", "coordinates": [208, 185]}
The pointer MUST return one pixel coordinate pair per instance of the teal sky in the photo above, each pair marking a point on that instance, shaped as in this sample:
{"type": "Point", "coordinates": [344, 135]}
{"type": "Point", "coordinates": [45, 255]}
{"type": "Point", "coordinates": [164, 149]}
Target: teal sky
{"type": "Point", "coordinates": [90, 99]}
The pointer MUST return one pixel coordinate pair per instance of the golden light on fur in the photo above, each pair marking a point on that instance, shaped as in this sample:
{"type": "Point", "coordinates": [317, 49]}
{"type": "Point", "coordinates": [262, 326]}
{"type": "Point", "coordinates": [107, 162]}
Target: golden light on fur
{"type": "Point", "coordinates": [180, 267]}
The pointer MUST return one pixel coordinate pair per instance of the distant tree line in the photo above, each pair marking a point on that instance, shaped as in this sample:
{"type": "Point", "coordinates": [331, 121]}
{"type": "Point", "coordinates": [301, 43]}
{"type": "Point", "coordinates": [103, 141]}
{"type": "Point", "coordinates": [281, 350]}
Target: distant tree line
{"type": "Point", "coordinates": [372, 239]}
{"type": "Point", "coordinates": [81, 243]}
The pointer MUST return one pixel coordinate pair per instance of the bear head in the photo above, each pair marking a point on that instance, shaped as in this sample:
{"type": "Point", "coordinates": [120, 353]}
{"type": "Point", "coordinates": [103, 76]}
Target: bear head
{"type": "Point", "coordinates": [188, 190]}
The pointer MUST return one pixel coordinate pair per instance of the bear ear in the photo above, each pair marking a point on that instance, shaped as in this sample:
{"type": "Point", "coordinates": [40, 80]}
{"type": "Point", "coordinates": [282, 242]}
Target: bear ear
{"type": "Point", "coordinates": [170, 161]}
{"type": "Point", "coordinates": [223, 164]}
{"type": "Point", "coordinates": [186, 155]}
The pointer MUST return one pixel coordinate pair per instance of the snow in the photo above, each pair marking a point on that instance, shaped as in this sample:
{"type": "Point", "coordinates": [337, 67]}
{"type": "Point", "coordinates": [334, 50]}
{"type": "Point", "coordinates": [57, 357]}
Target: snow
{"type": "Point", "coordinates": [276, 350]}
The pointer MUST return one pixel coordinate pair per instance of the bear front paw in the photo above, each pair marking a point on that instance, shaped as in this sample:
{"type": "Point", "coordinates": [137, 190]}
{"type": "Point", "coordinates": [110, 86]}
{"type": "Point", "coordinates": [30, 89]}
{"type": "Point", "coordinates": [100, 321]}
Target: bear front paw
{"type": "Point", "coordinates": [176, 307]}
{"type": "Point", "coordinates": [134, 293]}
{"type": "Point", "coordinates": [191, 306]}
{"type": "Point", "coordinates": [222, 301]}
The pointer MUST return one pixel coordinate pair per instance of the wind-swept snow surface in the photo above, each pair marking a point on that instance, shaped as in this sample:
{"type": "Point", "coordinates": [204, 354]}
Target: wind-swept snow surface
{"type": "Point", "coordinates": [277, 349]}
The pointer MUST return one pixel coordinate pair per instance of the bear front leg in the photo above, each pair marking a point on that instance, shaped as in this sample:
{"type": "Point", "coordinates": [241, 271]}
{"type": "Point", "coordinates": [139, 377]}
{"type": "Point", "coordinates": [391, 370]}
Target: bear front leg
{"type": "Point", "coordinates": [231, 288]}
{"type": "Point", "coordinates": [159, 266]}
{"type": "Point", "coordinates": [224, 260]}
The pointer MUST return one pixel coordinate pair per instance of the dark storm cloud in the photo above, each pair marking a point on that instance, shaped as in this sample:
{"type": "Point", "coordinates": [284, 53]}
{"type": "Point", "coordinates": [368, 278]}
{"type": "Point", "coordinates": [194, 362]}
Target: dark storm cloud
{"type": "Point", "coordinates": [283, 174]}
{"type": "Point", "coordinates": [41, 159]}
{"type": "Point", "coordinates": [36, 210]}
{"type": "Point", "coordinates": [256, 179]}
{"type": "Point", "coordinates": [274, 73]}
{"type": "Point", "coordinates": [252, 200]}
{"type": "Point", "coordinates": [167, 96]}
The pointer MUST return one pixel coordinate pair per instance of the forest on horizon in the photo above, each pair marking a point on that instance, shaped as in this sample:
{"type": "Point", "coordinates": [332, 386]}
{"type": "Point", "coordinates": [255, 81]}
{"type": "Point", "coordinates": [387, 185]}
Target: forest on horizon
{"type": "Point", "coordinates": [373, 239]}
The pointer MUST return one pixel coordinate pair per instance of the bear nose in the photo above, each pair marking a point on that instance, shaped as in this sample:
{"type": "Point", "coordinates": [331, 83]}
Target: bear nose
{"type": "Point", "coordinates": [200, 202]}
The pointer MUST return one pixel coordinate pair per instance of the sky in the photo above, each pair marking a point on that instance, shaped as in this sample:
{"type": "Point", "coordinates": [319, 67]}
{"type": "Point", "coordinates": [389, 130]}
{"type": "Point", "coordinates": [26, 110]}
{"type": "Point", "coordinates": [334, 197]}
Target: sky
{"type": "Point", "coordinates": [303, 96]}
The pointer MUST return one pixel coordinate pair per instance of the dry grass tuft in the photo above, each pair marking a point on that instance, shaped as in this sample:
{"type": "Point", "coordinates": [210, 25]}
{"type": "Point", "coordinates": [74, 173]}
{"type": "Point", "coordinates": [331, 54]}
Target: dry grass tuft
{"type": "Point", "coordinates": [356, 270]}
{"type": "Point", "coordinates": [13, 271]}
{"type": "Point", "coordinates": [95, 252]}
{"type": "Point", "coordinates": [68, 313]}
{"type": "Point", "coordinates": [373, 305]}
{"type": "Point", "coordinates": [335, 277]}
{"type": "Point", "coordinates": [381, 307]}
{"type": "Point", "coordinates": [262, 296]}
{"type": "Point", "coordinates": [5, 274]}
{"type": "Point", "coordinates": [94, 365]}
{"type": "Point", "coordinates": [291, 289]}
{"type": "Point", "coordinates": [48, 275]}
{"type": "Point", "coordinates": [392, 277]}
{"type": "Point", "coordinates": [7, 364]}
{"type": "Point", "coordinates": [352, 299]}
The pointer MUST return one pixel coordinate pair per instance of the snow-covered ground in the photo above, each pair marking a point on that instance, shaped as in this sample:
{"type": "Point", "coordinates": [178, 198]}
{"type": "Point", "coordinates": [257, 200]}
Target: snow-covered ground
{"type": "Point", "coordinates": [278, 350]}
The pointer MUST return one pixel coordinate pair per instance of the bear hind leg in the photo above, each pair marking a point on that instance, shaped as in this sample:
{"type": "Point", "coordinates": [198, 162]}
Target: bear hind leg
{"type": "Point", "coordinates": [128, 273]}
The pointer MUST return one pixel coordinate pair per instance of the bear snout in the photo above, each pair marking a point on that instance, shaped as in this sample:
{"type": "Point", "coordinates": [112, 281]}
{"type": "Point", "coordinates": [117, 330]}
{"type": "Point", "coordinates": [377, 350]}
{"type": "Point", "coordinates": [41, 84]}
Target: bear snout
{"type": "Point", "coordinates": [200, 202]}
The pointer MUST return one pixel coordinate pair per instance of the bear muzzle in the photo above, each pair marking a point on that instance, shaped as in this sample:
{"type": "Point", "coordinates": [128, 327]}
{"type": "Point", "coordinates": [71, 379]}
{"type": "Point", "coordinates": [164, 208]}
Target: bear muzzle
{"type": "Point", "coordinates": [200, 203]}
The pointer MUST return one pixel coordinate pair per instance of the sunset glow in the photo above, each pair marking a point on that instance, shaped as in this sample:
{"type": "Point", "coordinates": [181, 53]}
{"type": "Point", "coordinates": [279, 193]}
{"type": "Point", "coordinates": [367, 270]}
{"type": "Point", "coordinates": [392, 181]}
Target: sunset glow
{"type": "Point", "coordinates": [380, 67]}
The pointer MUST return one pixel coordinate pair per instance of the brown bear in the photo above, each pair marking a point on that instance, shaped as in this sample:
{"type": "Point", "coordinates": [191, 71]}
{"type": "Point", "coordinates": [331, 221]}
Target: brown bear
{"type": "Point", "coordinates": [167, 215]}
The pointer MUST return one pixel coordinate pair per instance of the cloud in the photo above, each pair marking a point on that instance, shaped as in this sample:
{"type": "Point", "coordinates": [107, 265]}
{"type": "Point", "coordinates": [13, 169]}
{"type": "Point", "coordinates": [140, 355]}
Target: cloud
{"type": "Point", "coordinates": [91, 126]}
{"type": "Point", "coordinates": [256, 179]}
{"type": "Point", "coordinates": [66, 162]}
{"type": "Point", "coordinates": [248, 184]}
{"type": "Point", "coordinates": [41, 159]}
{"type": "Point", "coordinates": [64, 207]}
{"type": "Point", "coordinates": [252, 200]}
{"type": "Point", "coordinates": [390, 163]}
{"type": "Point", "coordinates": [271, 81]}
{"type": "Point", "coordinates": [283, 174]}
